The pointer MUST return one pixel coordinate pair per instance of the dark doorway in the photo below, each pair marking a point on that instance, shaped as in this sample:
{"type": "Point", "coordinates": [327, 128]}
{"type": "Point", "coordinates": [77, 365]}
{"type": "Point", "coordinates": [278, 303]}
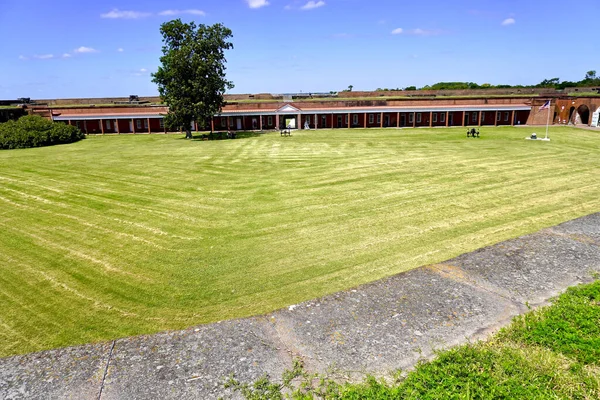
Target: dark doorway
{"type": "Point", "coordinates": [584, 114]}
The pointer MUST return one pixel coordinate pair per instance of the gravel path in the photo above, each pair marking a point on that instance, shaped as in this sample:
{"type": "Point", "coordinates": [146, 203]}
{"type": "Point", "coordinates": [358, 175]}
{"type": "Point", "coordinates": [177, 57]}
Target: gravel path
{"type": "Point", "coordinates": [375, 328]}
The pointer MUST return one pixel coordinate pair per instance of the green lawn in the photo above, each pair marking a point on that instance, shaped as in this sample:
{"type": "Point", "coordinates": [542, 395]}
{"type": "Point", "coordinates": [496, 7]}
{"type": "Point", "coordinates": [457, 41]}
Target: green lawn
{"type": "Point", "coordinates": [123, 235]}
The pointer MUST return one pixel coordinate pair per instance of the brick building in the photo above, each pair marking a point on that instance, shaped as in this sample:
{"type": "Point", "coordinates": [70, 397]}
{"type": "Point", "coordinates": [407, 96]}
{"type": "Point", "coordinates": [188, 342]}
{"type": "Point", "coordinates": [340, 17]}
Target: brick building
{"type": "Point", "coordinates": [326, 111]}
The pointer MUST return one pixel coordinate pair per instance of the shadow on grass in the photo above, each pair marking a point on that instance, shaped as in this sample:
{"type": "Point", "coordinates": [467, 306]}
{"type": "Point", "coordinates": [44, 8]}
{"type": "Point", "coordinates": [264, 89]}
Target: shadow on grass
{"type": "Point", "coordinates": [203, 136]}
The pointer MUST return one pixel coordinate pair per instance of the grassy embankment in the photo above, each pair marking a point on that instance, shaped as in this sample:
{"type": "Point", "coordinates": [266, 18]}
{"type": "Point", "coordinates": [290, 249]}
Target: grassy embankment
{"type": "Point", "coordinates": [549, 353]}
{"type": "Point", "coordinates": [124, 235]}
{"type": "Point", "coordinates": [415, 96]}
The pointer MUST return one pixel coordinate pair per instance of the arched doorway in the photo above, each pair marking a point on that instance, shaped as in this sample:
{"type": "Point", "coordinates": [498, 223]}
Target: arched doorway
{"type": "Point", "coordinates": [571, 111]}
{"type": "Point", "coordinates": [584, 114]}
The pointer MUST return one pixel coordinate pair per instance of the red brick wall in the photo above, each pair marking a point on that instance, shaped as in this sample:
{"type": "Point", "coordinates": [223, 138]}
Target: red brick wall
{"type": "Point", "coordinates": [537, 117]}
{"type": "Point", "coordinates": [505, 118]}
{"type": "Point", "coordinates": [124, 126]}
{"type": "Point", "coordinates": [521, 117]}
{"type": "Point", "coordinates": [308, 105]}
{"type": "Point", "coordinates": [155, 125]}
{"type": "Point", "coordinates": [273, 123]}
{"type": "Point", "coordinates": [113, 110]}
{"type": "Point", "coordinates": [91, 126]}
{"type": "Point", "coordinates": [563, 107]}
{"type": "Point", "coordinates": [437, 119]}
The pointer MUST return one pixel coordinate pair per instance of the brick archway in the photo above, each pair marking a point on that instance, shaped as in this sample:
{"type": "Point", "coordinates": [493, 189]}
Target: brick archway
{"type": "Point", "coordinates": [576, 110]}
{"type": "Point", "coordinates": [583, 113]}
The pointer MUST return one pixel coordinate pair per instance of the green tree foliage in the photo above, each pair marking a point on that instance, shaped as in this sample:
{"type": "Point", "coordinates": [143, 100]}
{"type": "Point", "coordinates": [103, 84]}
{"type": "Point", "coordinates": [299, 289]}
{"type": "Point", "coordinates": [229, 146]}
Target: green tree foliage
{"type": "Point", "coordinates": [549, 83]}
{"type": "Point", "coordinates": [35, 131]}
{"type": "Point", "coordinates": [591, 79]}
{"type": "Point", "coordinates": [453, 86]}
{"type": "Point", "coordinates": [590, 75]}
{"type": "Point", "coordinates": [566, 84]}
{"type": "Point", "coordinates": [191, 79]}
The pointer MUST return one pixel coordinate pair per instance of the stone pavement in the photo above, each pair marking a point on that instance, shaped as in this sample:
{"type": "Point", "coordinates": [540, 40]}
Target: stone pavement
{"type": "Point", "coordinates": [375, 328]}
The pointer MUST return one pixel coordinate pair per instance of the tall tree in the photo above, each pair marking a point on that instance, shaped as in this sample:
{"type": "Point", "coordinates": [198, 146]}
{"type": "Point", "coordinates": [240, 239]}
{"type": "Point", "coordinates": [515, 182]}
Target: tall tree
{"type": "Point", "coordinates": [191, 79]}
{"type": "Point", "coordinates": [590, 75]}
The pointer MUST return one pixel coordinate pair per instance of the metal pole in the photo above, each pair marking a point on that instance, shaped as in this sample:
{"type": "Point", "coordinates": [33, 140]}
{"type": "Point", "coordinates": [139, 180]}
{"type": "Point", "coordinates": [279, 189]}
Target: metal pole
{"type": "Point", "coordinates": [548, 120]}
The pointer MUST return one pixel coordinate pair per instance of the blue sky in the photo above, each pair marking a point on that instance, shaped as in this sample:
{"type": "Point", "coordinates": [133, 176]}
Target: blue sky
{"type": "Point", "coordinates": [65, 48]}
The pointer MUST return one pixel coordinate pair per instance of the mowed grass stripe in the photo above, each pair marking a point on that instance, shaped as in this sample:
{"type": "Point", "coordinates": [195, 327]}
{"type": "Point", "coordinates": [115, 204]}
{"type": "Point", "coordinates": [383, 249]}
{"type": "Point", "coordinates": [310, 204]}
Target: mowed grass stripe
{"type": "Point", "coordinates": [194, 232]}
{"type": "Point", "coordinates": [438, 197]}
{"type": "Point", "coordinates": [73, 276]}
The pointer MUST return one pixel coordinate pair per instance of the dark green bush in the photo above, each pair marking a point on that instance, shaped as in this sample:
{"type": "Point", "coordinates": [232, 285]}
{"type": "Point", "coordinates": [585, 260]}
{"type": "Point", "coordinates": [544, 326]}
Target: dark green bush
{"type": "Point", "coordinates": [35, 131]}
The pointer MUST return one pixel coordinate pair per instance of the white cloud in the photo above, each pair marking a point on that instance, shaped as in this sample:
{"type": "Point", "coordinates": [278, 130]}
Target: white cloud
{"type": "Point", "coordinates": [180, 12]}
{"type": "Point", "coordinates": [43, 56]}
{"type": "Point", "coordinates": [84, 49]}
{"type": "Point", "coordinates": [257, 3]}
{"type": "Point", "coordinates": [312, 5]}
{"type": "Point", "coordinates": [417, 32]}
{"type": "Point", "coordinates": [22, 57]}
{"type": "Point", "coordinates": [120, 50]}
{"type": "Point", "coordinates": [509, 21]}
{"type": "Point", "coordinates": [115, 13]}
{"type": "Point", "coordinates": [66, 55]}
{"type": "Point", "coordinates": [140, 72]}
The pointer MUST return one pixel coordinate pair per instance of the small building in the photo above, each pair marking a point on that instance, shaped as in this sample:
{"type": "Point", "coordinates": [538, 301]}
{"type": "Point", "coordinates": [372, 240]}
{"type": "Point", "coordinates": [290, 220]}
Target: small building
{"type": "Point", "coordinates": [113, 119]}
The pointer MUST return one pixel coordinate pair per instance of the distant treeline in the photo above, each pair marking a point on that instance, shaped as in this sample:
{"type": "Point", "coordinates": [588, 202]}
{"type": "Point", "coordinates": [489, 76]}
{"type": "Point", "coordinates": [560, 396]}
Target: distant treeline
{"type": "Point", "coordinates": [555, 83]}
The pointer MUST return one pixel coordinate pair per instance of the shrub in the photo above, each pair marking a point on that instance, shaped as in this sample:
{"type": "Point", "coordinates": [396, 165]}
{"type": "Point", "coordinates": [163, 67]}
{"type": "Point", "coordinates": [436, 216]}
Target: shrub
{"type": "Point", "coordinates": [35, 131]}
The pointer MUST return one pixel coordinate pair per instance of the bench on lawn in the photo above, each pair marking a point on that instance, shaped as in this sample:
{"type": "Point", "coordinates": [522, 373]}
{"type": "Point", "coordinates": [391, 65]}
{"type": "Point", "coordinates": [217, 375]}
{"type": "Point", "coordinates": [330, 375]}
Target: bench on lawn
{"type": "Point", "coordinates": [286, 132]}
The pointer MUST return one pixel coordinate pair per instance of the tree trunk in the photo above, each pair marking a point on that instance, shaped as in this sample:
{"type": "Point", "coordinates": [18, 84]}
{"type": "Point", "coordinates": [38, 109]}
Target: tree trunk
{"type": "Point", "coordinates": [188, 134]}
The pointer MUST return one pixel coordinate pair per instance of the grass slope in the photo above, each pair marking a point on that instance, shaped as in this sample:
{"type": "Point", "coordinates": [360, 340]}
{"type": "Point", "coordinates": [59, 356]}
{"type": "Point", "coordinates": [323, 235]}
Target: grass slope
{"type": "Point", "coordinates": [550, 353]}
{"type": "Point", "coordinates": [117, 236]}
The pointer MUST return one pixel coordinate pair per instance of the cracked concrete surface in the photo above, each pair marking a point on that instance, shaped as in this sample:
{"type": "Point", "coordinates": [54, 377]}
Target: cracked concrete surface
{"type": "Point", "coordinates": [376, 328]}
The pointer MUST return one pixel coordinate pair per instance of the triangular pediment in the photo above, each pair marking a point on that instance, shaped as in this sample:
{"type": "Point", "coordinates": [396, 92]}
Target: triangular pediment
{"type": "Point", "coordinates": [288, 109]}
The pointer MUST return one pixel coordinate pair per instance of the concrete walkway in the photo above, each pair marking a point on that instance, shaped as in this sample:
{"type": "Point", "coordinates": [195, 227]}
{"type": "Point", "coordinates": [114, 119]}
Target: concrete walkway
{"type": "Point", "coordinates": [375, 328]}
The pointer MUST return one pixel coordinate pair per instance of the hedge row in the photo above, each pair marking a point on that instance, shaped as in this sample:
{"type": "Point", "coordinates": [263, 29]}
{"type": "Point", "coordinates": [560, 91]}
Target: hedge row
{"type": "Point", "coordinates": [35, 131]}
